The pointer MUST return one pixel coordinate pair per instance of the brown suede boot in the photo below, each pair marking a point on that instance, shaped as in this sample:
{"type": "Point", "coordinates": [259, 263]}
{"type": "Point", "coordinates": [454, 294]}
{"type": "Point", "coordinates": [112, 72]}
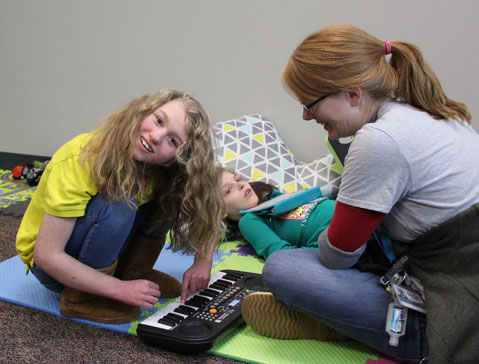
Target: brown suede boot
{"type": "Point", "coordinates": [86, 306]}
{"type": "Point", "coordinates": [137, 262]}
{"type": "Point", "coordinates": [268, 317]}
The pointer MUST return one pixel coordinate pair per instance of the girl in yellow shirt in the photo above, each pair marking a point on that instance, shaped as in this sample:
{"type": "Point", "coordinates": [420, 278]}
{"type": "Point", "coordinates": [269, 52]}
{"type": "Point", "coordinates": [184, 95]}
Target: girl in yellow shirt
{"type": "Point", "coordinates": [99, 216]}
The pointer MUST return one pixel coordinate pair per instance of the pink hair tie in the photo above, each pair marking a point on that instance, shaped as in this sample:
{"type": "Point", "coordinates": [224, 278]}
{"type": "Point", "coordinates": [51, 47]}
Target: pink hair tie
{"type": "Point", "coordinates": [388, 47]}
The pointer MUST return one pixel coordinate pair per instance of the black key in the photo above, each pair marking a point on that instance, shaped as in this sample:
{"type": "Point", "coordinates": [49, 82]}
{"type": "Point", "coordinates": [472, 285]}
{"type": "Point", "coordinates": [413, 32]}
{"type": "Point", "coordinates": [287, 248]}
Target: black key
{"type": "Point", "coordinates": [166, 322]}
{"type": "Point", "coordinates": [194, 303]}
{"type": "Point", "coordinates": [219, 287]}
{"type": "Point", "coordinates": [233, 276]}
{"type": "Point", "coordinates": [191, 309]}
{"type": "Point", "coordinates": [184, 310]}
{"type": "Point", "coordinates": [174, 317]}
{"type": "Point", "coordinates": [201, 299]}
{"type": "Point", "coordinates": [212, 290]}
{"type": "Point", "coordinates": [208, 293]}
{"type": "Point", "coordinates": [221, 281]}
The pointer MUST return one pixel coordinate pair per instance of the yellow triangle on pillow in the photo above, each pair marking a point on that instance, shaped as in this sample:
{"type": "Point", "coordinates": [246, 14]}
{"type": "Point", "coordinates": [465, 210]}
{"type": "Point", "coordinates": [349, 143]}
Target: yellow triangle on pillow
{"type": "Point", "coordinates": [227, 127]}
{"type": "Point", "coordinates": [257, 174]}
{"type": "Point", "coordinates": [290, 187]}
{"type": "Point", "coordinates": [229, 155]}
{"type": "Point", "coordinates": [259, 138]}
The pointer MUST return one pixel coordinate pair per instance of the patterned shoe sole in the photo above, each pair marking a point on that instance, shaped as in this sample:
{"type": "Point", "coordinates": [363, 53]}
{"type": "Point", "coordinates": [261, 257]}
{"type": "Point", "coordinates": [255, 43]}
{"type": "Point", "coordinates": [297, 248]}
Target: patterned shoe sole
{"type": "Point", "coordinates": [265, 315]}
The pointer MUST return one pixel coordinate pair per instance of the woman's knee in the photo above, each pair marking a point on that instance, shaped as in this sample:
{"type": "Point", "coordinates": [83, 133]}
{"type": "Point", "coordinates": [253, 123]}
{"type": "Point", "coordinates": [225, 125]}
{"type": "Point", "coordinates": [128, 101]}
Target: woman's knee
{"type": "Point", "coordinates": [272, 267]}
{"type": "Point", "coordinates": [284, 267]}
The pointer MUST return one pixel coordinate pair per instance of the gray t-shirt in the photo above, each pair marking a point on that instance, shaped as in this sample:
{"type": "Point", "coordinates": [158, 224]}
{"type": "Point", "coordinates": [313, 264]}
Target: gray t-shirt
{"type": "Point", "coordinates": [418, 170]}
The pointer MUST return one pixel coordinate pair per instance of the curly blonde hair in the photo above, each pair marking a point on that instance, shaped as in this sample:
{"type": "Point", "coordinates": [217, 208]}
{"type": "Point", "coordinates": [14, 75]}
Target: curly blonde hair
{"type": "Point", "coordinates": [184, 190]}
{"type": "Point", "coordinates": [342, 57]}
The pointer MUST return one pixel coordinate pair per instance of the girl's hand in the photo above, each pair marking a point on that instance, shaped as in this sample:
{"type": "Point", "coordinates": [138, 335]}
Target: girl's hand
{"type": "Point", "coordinates": [196, 277]}
{"type": "Point", "coordinates": [139, 292]}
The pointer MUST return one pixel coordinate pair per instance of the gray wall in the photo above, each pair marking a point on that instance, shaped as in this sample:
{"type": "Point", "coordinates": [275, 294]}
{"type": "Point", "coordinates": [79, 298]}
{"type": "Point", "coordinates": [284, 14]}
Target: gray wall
{"type": "Point", "coordinates": [65, 65]}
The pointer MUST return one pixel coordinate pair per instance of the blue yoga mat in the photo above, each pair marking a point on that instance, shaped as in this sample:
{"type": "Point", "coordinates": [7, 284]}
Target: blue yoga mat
{"type": "Point", "coordinates": [243, 344]}
{"type": "Point", "coordinates": [25, 290]}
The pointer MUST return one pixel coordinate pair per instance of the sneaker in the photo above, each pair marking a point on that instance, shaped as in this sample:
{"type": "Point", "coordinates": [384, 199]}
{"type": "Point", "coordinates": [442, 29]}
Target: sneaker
{"type": "Point", "coordinates": [268, 317]}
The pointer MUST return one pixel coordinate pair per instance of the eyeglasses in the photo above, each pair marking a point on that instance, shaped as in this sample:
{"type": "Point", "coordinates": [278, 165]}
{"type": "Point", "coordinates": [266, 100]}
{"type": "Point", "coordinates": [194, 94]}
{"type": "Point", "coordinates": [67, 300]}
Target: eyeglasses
{"type": "Point", "coordinates": [309, 108]}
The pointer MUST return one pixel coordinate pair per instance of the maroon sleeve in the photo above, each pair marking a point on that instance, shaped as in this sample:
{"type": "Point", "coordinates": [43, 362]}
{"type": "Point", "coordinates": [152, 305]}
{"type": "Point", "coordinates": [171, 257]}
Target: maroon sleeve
{"type": "Point", "coordinates": [352, 226]}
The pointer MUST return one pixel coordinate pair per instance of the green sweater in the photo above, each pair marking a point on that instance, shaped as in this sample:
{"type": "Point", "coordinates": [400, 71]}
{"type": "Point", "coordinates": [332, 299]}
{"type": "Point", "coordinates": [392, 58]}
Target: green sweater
{"type": "Point", "coordinates": [299, 228]}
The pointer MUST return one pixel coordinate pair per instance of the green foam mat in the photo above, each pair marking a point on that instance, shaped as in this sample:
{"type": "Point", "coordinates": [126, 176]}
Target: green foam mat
{"type": "Point", "coordinates": [14, 194]}
{"type": "Point", "coordinates": [242, 344]}
{"type": "Point", "coordinates": [246, 345]}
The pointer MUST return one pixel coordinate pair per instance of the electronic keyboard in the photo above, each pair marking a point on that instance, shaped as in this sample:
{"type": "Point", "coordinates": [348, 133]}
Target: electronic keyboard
{"type": "Point", "coordinates": [205, 318]}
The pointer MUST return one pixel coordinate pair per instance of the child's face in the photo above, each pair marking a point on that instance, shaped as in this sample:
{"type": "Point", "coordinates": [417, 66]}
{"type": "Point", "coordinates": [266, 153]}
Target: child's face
{"type": "Point", "coordinates": [160, 134]}
{"type": "Point", "coordinates": [238, 195]}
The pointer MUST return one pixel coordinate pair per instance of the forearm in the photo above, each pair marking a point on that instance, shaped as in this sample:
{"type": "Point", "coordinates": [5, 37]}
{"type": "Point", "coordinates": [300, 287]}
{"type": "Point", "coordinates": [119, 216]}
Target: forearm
{"type": "Point", "coordinates": [50, 256]}
{"type": "Point", "coordinates": [72, 273]}
{"type": "Point", "coordinates": [352, 226]}
{"type": "Point", "coordinates": [335, 258]}
{"type": "Point", "coordinates": [341, 245]}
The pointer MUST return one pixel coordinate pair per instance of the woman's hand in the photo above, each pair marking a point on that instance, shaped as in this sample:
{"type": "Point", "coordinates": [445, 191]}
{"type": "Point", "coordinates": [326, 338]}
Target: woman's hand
{"type": "Point", "coordinates": [196, 277]}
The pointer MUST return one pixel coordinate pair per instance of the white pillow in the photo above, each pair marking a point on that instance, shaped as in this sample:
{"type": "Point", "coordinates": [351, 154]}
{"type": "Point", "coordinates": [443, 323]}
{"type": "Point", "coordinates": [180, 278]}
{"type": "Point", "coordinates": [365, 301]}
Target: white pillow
{"type": "Point", "coordinates": [252, 147]}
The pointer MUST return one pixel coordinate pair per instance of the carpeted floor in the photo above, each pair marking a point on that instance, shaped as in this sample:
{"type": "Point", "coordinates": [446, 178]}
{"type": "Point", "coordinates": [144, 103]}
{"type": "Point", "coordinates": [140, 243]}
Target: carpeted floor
{"type": "Point", "coordinates": [30, 336]}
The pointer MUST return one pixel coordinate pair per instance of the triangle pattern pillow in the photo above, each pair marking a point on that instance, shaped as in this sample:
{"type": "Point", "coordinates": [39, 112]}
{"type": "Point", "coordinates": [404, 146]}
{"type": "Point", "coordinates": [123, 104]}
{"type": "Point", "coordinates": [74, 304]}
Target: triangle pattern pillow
{"type": "Point", "coordinates": [252, 147]}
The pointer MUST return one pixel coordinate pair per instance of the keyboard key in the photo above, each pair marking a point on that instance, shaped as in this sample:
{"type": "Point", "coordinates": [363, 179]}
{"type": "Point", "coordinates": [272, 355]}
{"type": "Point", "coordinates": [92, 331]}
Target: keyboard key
{"type": "Point", "coordinates": [219, 287]}
{"type": "Point", "coordinates": [208, 293]}
{"type": "Point", "coordinates": [184, 310]}
{"type": "Point", "coordinates": [226, 283]}
{"type": "Point", "coordinates": [166, 322]}
{"type": "Point", "coordinates": [174, 316]}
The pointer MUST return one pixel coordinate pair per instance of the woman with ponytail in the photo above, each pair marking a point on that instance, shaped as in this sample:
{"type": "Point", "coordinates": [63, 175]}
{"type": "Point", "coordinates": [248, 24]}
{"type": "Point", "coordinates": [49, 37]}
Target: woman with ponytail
{"type": "Point", "coordinates": [411, 174]}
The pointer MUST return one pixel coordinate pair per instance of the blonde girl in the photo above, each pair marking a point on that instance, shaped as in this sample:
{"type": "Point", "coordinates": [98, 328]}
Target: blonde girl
{"type": "Point", "coordinates": [99, 216]}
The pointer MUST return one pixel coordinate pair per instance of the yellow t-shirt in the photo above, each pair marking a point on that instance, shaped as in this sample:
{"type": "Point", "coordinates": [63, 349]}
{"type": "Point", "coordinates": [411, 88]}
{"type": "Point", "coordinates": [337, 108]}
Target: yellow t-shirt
{"type": "Point", "coordinates": [64, 190]}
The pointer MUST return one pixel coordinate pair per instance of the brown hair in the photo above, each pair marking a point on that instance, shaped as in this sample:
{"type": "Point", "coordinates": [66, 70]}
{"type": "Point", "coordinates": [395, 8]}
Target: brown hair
{"type": "Point", "coordinates": [183, 189]}
{"type": "Point", "coordinates": [342, 57]}
{"type": "Point", "coordinates": [262, 189]}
